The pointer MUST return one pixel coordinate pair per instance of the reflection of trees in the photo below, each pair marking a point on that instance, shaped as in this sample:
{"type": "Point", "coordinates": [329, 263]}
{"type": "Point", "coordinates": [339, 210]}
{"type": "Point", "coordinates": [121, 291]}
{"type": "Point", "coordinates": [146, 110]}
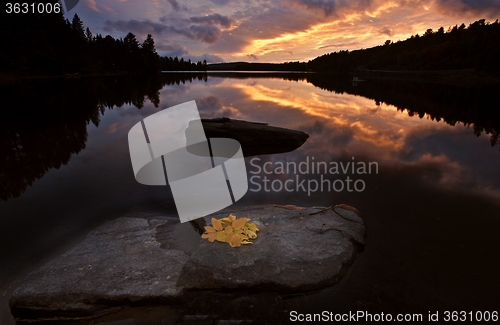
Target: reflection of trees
{"type": "Point", "coordinates": [44, 124]}
{"type": "Point", "coordinates": [475, 106]}
{"type": "Point", "coordinates": [293, 76]}
{"type": "Point", "coordinates": [182, 78]}
{"type": "Point", "coordinates": [179, 78]}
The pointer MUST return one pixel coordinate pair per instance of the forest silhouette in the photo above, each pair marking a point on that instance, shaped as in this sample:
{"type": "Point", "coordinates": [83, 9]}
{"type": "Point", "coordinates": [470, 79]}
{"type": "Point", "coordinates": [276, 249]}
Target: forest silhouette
{"type": "Point", "coordinates": [474, 47]}
{"type": "Point", "coordinates": [49, 44]}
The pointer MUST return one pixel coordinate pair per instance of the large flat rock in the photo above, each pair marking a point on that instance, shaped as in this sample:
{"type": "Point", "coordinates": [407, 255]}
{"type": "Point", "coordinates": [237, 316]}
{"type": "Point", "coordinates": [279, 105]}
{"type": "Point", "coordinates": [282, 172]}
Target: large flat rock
{"type": "Point", "coordinates": [297, 249]}
{"type": "Point", "coordinates": [119, 263]}
{"type": "Point", "coordinates": [134, 261]}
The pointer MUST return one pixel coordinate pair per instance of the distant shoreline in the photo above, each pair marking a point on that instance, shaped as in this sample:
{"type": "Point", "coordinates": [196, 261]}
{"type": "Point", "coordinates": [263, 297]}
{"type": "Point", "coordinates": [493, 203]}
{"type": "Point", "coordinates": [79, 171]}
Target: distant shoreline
{"type": "Point", "coordinates": [462, 76]}
{"type": "Point", "coordinates": [238, 71]}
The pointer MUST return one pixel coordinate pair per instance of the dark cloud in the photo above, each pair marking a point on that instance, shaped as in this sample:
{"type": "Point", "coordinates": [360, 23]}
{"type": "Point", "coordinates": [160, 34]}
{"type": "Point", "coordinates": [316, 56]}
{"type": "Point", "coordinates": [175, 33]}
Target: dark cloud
{"type": "Point", "coordinates": [489, 8]}
{"type": "Point", "coordinates": [171, 50]}
{"type": "Point", "coordinates": [230, 44]}
{"type": "Point", "coordinates": [252, 57]}
{"type": "Point", "coordinates": [134, 26]}
{"type": "Point", "coordinates": [175, 5]}
{"type": "Point", "coordinates": [275, 22]}
{"type": "Point", "coordinates": [210, 58]}
{"type": "Point", "coordinates": [221, 2]}
{"type": "Point", "coordinates": [205, 33]}
{"type": "Point", "coordinates": [332, 7]}
{"type": "Point", "coordinates": [213, 19]}
{"type": "Point", "coordinates": [387, 31]}
{"type": "Point", "coordinates": [328, 6]}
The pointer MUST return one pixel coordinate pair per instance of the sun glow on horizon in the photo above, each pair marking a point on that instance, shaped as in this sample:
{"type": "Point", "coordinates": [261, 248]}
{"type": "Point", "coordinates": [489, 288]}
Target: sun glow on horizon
{"type": "Point", "coordinates": [351, 32]}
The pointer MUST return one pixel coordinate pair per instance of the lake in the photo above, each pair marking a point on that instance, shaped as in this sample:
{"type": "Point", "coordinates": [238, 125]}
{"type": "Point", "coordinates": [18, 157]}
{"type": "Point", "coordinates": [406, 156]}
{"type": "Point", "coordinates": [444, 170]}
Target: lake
{"type": "Point", "coordinates": [431, 206]}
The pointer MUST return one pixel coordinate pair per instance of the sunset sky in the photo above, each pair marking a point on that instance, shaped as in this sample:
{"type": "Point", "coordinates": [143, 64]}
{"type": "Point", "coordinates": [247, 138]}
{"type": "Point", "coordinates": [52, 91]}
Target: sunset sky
{"type": "Point", "coordinates": [274, 30]}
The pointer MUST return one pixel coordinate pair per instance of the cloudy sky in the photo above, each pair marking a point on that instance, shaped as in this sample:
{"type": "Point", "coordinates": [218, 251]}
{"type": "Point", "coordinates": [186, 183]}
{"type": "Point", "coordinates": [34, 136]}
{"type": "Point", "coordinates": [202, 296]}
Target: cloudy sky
{"type": "Point", "coordinates": [274, 30]}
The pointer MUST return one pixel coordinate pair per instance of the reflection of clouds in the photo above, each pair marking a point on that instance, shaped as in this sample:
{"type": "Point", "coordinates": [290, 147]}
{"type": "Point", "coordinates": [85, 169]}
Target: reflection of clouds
{"type": "Point", "coordinates": [440, 170]}
{"type": "Point", "coordinates": [378, 126]}
{"type": "Point", "coordinates": [210, 103]}
{"type": "Point", "coordinates": [343, 125]}
{"type": "Point", "coordinates": [129, 110]}
{"type": "Point", "coordinates": [212, 107]}
{"type": "Point", "coordinates": [212, 81]}
{"type": "Point", "coordinates": [347, 125]}
{"type": "Point", "coordinates": [328, 135]}
{"type": "Point", "coordinates": [173, 93]}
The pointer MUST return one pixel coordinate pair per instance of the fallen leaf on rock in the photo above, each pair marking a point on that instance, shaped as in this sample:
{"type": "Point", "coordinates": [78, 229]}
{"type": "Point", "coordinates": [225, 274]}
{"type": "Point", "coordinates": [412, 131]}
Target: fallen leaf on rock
{"type": "Point", "coordinates": [231, 230]}
{"type": "Point", "coordinates": [217, 224]}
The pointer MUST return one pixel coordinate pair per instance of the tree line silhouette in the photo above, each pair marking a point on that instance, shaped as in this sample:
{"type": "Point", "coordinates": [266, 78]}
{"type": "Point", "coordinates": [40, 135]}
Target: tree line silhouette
{"type": "Point", "coordinates": [174, 64]}
{"type": "Point", "coordinates": [474, 47]}
{"type": "Point", "coordinates": [48, 44]}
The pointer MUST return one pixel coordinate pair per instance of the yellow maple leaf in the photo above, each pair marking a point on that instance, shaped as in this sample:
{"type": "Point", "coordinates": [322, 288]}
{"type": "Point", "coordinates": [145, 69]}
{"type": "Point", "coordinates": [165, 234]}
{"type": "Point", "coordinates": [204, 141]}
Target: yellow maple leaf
{"type": "Point", "coordinates": [211, 236]}
{"type": "Point", "coordinates": [217, 224]}
{"type": "Point", "coordinates": [221, 236]}
{"type": "Point", "coordinates": [239, 223]}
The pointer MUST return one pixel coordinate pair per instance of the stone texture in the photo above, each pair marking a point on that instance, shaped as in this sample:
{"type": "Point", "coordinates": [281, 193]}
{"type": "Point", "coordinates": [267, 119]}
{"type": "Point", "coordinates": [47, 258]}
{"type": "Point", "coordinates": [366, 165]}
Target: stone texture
{"type": "Point", "coordinates": [141, 260]}
{"type": "Point", "coordinates": [297, 249]}
{"type": "Point", "coordinates": [119, 263]}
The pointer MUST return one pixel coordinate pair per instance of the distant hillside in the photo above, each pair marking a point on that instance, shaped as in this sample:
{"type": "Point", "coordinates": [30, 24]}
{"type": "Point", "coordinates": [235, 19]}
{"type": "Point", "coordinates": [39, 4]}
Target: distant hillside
{"type": "Point", "coordinates": [475, 47]}
{"type": "Point", "coordinates": [245, 66]}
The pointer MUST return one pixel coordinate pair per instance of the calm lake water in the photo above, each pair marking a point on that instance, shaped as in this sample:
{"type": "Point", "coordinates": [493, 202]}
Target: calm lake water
{"type": "Point", "coordinates": [432, 211]}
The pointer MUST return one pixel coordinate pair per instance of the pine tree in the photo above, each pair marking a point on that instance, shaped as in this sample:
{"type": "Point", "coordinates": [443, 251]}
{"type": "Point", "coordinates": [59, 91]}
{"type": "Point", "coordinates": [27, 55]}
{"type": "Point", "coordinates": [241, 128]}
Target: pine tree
{"type": "Point", "coordinates": [148, 45]}
{"type": "Point", "coordinates": [131, 42]}
{"type": "Point", "coordinates": [88, 35]}
{"type": "Point", "coordinates": [77, 26]}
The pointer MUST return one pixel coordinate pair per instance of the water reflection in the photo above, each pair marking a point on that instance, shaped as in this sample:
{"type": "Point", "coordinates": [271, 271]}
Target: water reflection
{"type": "Point", "coordinates": [65, 147]}
{"type": "Point", "coordinates": [475, 106]}
{"type": "Point", "coordinates": [40, 132]}
{"type": "Point", "coordinates": [44, 124]}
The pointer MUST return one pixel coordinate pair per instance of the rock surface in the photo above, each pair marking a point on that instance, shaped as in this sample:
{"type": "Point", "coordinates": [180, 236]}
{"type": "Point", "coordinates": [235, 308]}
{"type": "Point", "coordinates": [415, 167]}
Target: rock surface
{"type": "Point", "coordinates": [119, 263]}
{"type": "Point", "coordinates": [255, 138]}
{"type": "Point", "coordinates": [133, 261]}
{"type": "Point", "coordinates": [297, 249]}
